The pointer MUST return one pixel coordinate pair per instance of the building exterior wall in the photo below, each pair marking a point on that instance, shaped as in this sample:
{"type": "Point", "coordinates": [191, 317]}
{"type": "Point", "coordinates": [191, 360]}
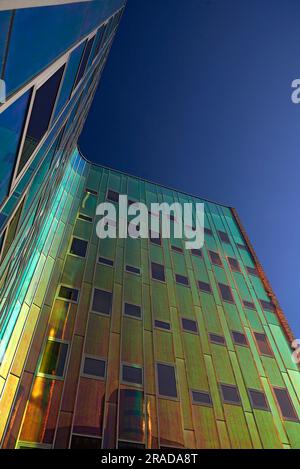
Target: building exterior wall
{"type": "Point", "coordinates": [95, 352]}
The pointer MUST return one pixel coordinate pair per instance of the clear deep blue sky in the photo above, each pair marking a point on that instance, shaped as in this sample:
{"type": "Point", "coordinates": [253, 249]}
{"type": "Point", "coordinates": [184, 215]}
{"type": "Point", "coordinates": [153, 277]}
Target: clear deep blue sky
{"type": "Point", "coordinates": [196, 95]}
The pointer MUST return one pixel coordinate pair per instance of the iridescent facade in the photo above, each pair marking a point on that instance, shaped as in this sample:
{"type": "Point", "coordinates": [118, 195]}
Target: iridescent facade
{"type": "Point", "coordinates": [119, 342]}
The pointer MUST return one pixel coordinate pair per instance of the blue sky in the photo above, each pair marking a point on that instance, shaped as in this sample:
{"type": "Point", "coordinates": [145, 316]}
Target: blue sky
{"type": "Point", "coordinates": [197, 95]}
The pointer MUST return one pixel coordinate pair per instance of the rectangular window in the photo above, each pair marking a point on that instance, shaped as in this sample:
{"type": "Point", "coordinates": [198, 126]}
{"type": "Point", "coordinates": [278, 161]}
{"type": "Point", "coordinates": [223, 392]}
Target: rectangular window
{"type": "Point", "coordinates": [40, 115]}
{"type": "Point", "coordinates": [252, 271]}
{"type": "Point", "coordinates": [267, 305]}
{"type": "Point", "coordinates": [242, 246]}
{"type": "Point", "coordinates": [239, 338]}
{"type": "Point", "coordinates": [230, 394]}
{"type": "Point", "coordinates": [258, 399]}
{"type": "Point", "coordinates": [166, 380]}
{"type": "Point", "coordinates": [162, 324]}
{"type": "Point", "coordinates": [204, 286]}
{"type": "Point", "coordinates": [248, 304]}
{"type": "Point", "coordinates": [94, 367]}
{"type": "Point", "coordinates": [217, 339]}
{"type": "Point", "coordinates": [215, 258]}
{"type": "Point", "coordinates": [285, 404]}
{"type": "Point", "coordinates": [78, 247]}
{"type": "Point", "coordinates": [224, 237]}
{"type": "Point", "coordinates": [176, 248]}
{"type": "Point", "coordinates": [132, 374]}
{"type": "Point", "coordinates": [263, 344]}
{"type": "Point", "coordinates": [154, 237]}
{"type": "Point", "coordinates": [85, 442]}
{"type": "Point", "coordinates": [132, 310]}
{"type": "Point", "coordinates": [113, 196]}
{"type": "Point", "coordinates": [91, 191]}
{"type": "Point", "coordinates": [225, 292]}
{"type": "Point", "coordinates": [67, 293]}
{"type": "Point", "coordinates": [84, 60]}
{"type": "Point", "coordinates": [54, 358]}
{"type": "Point", "coordinates": [196, 252]}
{"type": "Point", "coordinates": [189, 325]}
{"type": "Point", "coordinates": [208, 231]}
{"type": "Point", "coordinates": [83, 217]}
{"type": "Point", "coordinates": [234, 264]}
{"type": "Point", "coordinates": [201, 398]}
{"type": "Point", "coordinates": [181, 279]}
{"type": "Point", "coordinates": [102, 301]}
{"type": "Point", "coordinates": [133, 270]}
{"type": "Point", "coordinates": [158, 271]}
{"type": "Point", "coordinates": [106, 261]}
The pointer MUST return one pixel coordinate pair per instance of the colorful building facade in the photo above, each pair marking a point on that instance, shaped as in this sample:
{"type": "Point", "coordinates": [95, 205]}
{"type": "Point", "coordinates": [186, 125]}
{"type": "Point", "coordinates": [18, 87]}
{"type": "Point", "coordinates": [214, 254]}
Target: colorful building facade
{"type": "Point", "coordinates": [119, 343]}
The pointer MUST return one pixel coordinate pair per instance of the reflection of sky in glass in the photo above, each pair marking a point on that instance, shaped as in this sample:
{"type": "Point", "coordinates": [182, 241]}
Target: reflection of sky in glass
{"type": "Point", "coordinates": [4, 24]}
{"type": "Point", "coordinates": [11, 124]}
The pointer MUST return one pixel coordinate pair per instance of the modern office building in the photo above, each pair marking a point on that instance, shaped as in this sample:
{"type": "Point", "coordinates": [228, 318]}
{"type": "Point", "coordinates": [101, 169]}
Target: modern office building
{"type": "Point", "coordinates": [119, 342]}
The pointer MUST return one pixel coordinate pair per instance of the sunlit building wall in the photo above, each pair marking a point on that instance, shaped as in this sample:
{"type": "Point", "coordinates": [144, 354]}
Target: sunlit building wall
{"type": "Point", "coordinates": [120, 343]}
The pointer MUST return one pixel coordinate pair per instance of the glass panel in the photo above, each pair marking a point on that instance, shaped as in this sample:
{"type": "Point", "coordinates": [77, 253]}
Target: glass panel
{"type": "Point", "coordinates": [132, 310]}
{"type": "Point", "coordinates": [230, 394]}
{"type": "Point", "coordinates": [40, 115]}
{"type": "Point", "coordinates": [132, 374]}
{"type": "Point", "coordinates": [102, 301]}
{"type": "Point", "coordinates": [5, 17]}
{"type": "Point", "coordinates": [215, 258]}
{"type": "Point", "coordinates": [217, 339]}
{"type": "Point", "coordinates": [234, 265]}
{"type": "Point", "coordinates": [113, 196]}
{"type": "Point", "coordinates": [94, 367]}
{"type": "Point", "coordinates": [158, 271]}
{"type": "Point", "coordinates": [189, 325]}
{"type": "Point", "coordinates": [68, 293]}
{"type": "Point", "coordinates": [84, 60]}
{"type": "Point", "coordinates": [224, 237]}
{"type": "Point", "coordinates": [162, 324]}
{"type": "Point", "coordinates": [225, 292]}
{"type": "Point", "coordinates": [196, 252]}
{"type": "Point", "coordinates": [166, 380]}
{"type": "Point", "coordinates": [54, 358]}
{"type": "Point", "coordinates": [285, 404]}
{"type": "Point", "coordinates": [11, 125]}
{"type": "Point", "coordinates": [263, 344]}
{"type": "Point", "coordinates": [133, 270]}
{"type": "Point", "coordinates": [105, 261]}
{"type": "Point", "coordinates": [201, 397]}
{"type": "Point", "coordinates": [78, 247]}
{"type": "Point", "coordinates": [85, 442]}
{"type": "Point", "coordinates": [204, 286]}
{"type": "Point", "coordinates": [258, 399]}
{"type": "Point", "coordinates": [181, 279]}
{"type": "Point", "coordinates": [239, 338]}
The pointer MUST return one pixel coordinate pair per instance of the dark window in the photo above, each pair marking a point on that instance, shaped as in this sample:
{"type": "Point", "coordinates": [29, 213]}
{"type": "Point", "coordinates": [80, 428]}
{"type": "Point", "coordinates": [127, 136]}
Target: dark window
{"type": "Point", "coordinates": [91, 191]}
{"type": "Point", "coordinates": [230, 394]}
{"type": "Point", "coordinates": [40, 115]}
{"type": "Point", "coordinates": [68, 293]}
{"type": "Point", "coordinates": [204, 286]}
{"type": "Point", "coordinates": [155, 237]}
{"type": "Point", "coordinates": [78, 247]}
{"type": "Point", "coordinates": [226, 292]}
{"type": "Point", "coordinates": [94, 367]}
{"type": "Point", "coordinates": [129, 444]}
{"type": "Point", "coordinates": [196, 252]}
{"type": "Point", "coordinates": [102, 301]}
{"type": "Point", "coordinates": [84, 60]}
{"type": "Point", "coordinates": [166, 380]}
{"type": "Point", "coordinates": [133, 270]}
{"type": "Point", "coordinates": [201, 397]}
{"type": "Point", "coordinates": [249, 304]}
{"type": "Point", "coordinates": [105, 261]}
{"type": "Point", "coordinates": [162, 324]}
{"type": "Point", "coordinates": [189, 325]}
{"type": "Point", "coordinates": [158, 271]}
{"type": "Point", "coordinates": [85, 442]}
{"type": "Point", "coordinates": [132, 374]}
{"type": "Point", "coordinates": [258, 399]}
{"type": "Point", "coordinates": [285, 404]}
{"type": "Point", "coordinates": [252, 271]}
{"type": "Point", "coordinates": [85, 217]}
{"type": "Point", "coordinates": [54, 358]}
{"type": "Point", "coordinates": [224, 237]}
{"type": "Point", "coordinates": [131, 202]}
{"type": "Point", "coordinates": [132, 310]}
{"type": "Point", "coordinates": [234, 265]}
{"type": "Point", "coordinates": [181, 279]}
{"type": "Point", "coordinates": [239, 338]}
{"type": "Point", "coordinates": [217, 339]}
{"type": "Point", "coordinates": [113, 196]}
{"type": "Point", "coordinates": [263, 344]}
{"type": "Point", "coordinates": [242, 246]}
{"type": "Point", "coordinates": [208, 231]}
{"type": "Point", "coordinates": [176, 248]}
{"type": "Point", "coordinates": [267, 305]}
{"type": "Point", "coordinates": [215, 258]}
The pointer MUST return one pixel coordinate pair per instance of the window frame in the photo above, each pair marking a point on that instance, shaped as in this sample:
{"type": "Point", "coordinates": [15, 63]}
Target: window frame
{"type": "Point", "coordinates": [205, 404]}
{"type": "Point", "coordinates": [46, 375]}
{"type": "Point", "coordinates": [67, 299]}
{"type": "Point", "coordinates": [196, 332]}
{"type": "Point", "coordinates": [106, 315]}
{"type": "Point", "coordinates": [130, 383]}
{"type": "Point", "coordinates": [233, 386]}
{"type": "Point", "coordinates": [129, 315]}
{"type": "Point", "coordinates": [94, 357]}
{"type": "Point", "coordinates": [163, 396]}
{"type": "Point", "coordinates": [70, 247]}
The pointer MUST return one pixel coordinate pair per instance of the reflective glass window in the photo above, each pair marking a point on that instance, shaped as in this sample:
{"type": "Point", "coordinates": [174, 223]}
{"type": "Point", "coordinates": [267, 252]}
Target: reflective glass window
{"type": "Point", "coordinates": [94, 367]}
{"type": "Point", "coordinates": [54, 358]}
{"type": "Point", "coordinates": [166, 380]}
{"type": "Point", "coordinates": [102, 301]}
